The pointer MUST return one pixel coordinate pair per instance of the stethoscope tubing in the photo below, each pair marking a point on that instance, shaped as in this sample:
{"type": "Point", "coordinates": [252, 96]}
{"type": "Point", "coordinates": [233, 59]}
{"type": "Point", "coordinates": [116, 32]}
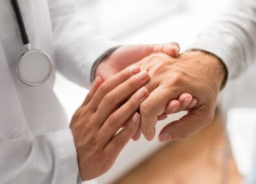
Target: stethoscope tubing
{"type": "Point", "coordinates": [20, 21]}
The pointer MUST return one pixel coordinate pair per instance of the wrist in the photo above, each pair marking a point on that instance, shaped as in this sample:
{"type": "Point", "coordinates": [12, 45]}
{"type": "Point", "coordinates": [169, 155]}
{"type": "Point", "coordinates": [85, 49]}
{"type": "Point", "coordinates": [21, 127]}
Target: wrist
{"type": "Point", "coordinates": [100, 65]}
{"type": "Point", "coordinates": [215, 64]}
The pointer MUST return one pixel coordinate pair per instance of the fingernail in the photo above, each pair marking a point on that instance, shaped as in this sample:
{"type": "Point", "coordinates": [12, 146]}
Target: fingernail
{"type": "Point", "coordinates": [141, 93]}
{"type": "Point", "coordinates": [176, 48]}
{"type": "Point", "coordinates": [151, 133]}
{"type": "Point", "coordinates": [165, 137]}
{"type": "Point", "coordinates": [174, 109]}
{"type": "Point", "coordinates": [137, 135]}
{"type": "Point", "coordinates": [186, 103]}
{"type": "Point", "coordinates": [193, 103]}
{"type": "Point", "coordinates": [142, 76]}
{"type": "Point", "coordinates": [135, 118]}
{"type": "Point", "coordinates": [134, 70]}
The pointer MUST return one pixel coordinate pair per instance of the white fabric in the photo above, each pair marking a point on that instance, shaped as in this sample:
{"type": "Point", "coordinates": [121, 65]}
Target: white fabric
{"type": "Point", "coordinates": [232, 37]}
{"type": "Point", "coordinates": [71, 55]}
{"type": "Point", "coordinates": [241, 126]}
{"type": "Point", "coordinates": [36, 145]}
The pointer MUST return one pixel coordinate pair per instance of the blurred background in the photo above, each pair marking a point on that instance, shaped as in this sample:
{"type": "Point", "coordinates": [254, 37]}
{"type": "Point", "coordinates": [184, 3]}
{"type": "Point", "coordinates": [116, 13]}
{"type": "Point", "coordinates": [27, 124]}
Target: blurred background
{"type": "Point", "coordinates": [160, 21]}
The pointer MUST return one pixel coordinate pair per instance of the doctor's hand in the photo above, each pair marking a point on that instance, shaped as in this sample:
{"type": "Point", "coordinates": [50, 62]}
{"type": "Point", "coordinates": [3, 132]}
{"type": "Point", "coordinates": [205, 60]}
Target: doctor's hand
{"type": "Point", "coordinates": [195, 72]}
{"type": "Point", "coordinates": [107, 120]}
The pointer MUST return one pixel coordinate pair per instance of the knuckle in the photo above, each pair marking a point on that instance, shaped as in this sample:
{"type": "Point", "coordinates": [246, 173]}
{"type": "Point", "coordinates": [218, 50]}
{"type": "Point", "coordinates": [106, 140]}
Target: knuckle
{"type": "Point", "coordinates": [121, 140]}
{"type": "Point", "coordinates": [93, 143]}
{"type": "Point", "coordinates": [88, 127]}
{"type": "Point", "coordinates": [85, 112]}
{"type": "Point", "coordinates": [145, 109]}
{"type": "Point", "coordinates": [133, 103]}
{"type": "Point", "coordinates": [112, 119]}
{"type": "Point", "coordinates": [130, 85]}
{"type": "Point", "coordinates": [77, 117]}
{"type": "Point", "coordinates": [176, 78]}
{"type": "Point", "coordinates": [155, 57]}
{"type": "Point", "coordinates": [133, 83]}
{"type": "Point", "coordinates": [108, 99]}
{"type": "Point", "coordinates": [125, 74]}
{"type": "Point", "coordinates": [103, 89]}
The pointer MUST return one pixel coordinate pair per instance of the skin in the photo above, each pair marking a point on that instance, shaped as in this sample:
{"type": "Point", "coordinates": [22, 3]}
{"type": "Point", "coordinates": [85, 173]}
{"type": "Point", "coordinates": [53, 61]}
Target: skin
{"type": "Point", "coordinates": [108, 117]}
{"type": "Point", "coordinates": [196, 72]}
{"type": "Point", "coordinates": [104, 124]}
{"type": "Point", "coordinates": [127, 55]}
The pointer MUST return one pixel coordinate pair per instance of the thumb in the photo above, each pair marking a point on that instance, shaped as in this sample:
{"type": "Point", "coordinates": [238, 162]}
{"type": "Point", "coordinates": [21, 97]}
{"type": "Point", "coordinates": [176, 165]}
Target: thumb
{"type": "Point", "coordinates": [187, 125]}
{"type": "Point", "coordinates": [171, 48]}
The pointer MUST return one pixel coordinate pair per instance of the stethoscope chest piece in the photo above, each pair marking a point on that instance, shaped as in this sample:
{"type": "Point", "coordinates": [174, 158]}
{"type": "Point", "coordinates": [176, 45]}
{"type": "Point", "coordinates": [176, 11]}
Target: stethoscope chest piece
{"type": "Point", "coordinates": [34, 68]}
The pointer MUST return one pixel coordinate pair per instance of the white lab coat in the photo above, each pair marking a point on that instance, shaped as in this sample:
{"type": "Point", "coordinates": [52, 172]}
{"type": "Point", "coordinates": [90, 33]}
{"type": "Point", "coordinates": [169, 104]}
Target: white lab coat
{"type": "Point", "coordinates": [36, 144]}
{"type": "Point", "coordinates": [232, 37]}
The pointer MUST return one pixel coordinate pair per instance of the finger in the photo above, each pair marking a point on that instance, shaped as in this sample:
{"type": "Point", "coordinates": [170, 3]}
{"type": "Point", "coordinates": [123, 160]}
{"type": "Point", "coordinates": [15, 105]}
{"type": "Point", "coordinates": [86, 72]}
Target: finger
{"type": "Point", "coordinates": [171, 49]}
{"type": "Point", "coordinates": [115, 146]}
{"type": "Point", "coordinates": [192, 104]}
{"type": "Point", "coordinates": [172, 107]}
{"type": "Point", "coordinates": [117, 119]}
{"type": "Point", "coordinates": [177, 45]}
{"type": "Point", "coordinates": [137, 135]}
{"type": "Point", "coordinates": [187, 125]}
{"type": "Point", "coordinates": [152, 107]}
{"type": "Point", "coordinates": [120, 94]}
{"type": "Point", "coordinates": [185, 100]}
{"type": "Point", "coordinates": [112, 83]}
{"type": "Point", "coordinates": [96, 84]}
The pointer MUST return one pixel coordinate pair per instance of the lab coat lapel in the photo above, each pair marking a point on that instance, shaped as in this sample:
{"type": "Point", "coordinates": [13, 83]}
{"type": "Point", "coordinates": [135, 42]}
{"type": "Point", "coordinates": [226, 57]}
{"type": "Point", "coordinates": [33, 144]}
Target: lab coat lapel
{"type": "Point", "coordinates": [12, 120]}
{"type": "Point", "coordinates": [35, 14]}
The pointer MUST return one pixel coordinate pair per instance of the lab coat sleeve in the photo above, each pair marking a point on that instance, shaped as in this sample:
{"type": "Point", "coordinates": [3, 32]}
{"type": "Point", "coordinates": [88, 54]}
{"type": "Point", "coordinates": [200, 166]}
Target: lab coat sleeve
{"type": "Point", "coordinates": [77, 47]}
{"type": "Point", "coordinates": [49, 158]}
{"type": "Point", "coordinates": [232, 37]}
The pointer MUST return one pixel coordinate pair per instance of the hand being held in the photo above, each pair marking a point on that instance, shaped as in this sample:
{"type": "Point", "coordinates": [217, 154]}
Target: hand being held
{"type": "Point", "coordinates": [104, 123]}
{"type": "Point", "coordinates": [127, 55]}
{"type": "Point", "coordinates": [195, 72]}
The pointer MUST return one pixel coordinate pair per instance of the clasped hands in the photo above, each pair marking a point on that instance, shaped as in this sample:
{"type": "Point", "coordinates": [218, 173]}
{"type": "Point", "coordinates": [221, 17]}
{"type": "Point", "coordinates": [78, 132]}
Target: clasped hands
{"type": "Point", "coordinates": [153, 79]}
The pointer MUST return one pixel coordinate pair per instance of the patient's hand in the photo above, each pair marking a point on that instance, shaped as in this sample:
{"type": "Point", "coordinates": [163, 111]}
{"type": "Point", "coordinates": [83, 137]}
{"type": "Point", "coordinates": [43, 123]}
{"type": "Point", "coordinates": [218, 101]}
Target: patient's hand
{"type": "Point", "coordinates": [195, 72]}
{"type": "Point", "coordinates": [127, 55]}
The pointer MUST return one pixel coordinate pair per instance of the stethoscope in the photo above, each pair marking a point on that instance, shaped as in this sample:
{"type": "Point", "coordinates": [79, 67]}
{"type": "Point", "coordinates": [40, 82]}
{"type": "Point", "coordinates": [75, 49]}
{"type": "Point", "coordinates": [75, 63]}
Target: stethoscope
{"type": "Point", "coordinates": [35, 66]}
